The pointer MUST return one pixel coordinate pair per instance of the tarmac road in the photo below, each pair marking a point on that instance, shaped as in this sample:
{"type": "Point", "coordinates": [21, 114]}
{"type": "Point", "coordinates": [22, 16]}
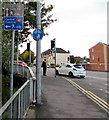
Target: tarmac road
{"type": "Point", "coordinates": [62, 100]}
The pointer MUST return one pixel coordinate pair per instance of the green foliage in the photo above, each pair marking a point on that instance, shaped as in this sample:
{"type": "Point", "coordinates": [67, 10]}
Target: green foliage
{"type": "Point", "coordinates": [72, 59]}
{"type": "Point", "coordinates": [17, 83]}
{"type": "Point", "coordinates": [77, 61]}
{"type": "Point", "coordinates": [29, 20]}
{"type": "Point", "coordinates": [25, 56]}
{"type": "Point", "coordinates": [6, 51]}
{"type": "Point", "coordinates": [5, 88]}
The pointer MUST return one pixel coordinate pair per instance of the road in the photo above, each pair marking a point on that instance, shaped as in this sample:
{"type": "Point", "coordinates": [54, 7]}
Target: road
{"type": "Point", "coordinates": [94, 85]}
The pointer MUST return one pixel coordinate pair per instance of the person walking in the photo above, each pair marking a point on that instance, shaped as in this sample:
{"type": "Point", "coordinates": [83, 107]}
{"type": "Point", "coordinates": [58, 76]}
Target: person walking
{"type": "Point", "coordinates": [44, 67]}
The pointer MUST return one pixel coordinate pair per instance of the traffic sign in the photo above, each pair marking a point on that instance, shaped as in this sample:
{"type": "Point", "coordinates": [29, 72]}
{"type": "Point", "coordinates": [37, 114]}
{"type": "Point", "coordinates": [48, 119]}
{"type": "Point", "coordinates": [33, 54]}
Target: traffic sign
{"type": "Point", "coordinates": [13, 10]}
{"type": "Point", "coordinates": [13, 23]}
{"type": "Point", "coordinates": [13, 16]}
{"type": "Point", "coordinates": [38, 34]}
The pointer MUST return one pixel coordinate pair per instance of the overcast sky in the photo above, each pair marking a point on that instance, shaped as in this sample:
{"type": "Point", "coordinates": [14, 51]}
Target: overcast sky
{"type": "Point", "coordinates": [81, 24]}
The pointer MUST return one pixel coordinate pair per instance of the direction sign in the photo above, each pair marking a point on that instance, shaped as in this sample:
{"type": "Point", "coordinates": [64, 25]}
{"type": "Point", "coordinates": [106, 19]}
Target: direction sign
{"type": "Point", "coordinates": [13, 16]}
{"type": "Point", "coordinates": [14, 10]}
{"type": "Point", "coordinates": [38, 34]}
{"type": "Point", "coordinates": [13, 23]}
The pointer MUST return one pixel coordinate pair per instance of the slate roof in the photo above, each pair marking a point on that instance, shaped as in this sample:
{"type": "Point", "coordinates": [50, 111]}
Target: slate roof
{"type": "Point", "coordinates": [58, 50]}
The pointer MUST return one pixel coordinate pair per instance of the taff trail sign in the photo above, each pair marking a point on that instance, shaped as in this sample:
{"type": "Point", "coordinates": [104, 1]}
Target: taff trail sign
{"type": "Point", "coordinates": [13, 16]}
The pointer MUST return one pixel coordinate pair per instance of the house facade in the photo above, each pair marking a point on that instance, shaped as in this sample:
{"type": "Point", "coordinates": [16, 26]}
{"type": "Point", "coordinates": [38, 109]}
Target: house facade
{"type": "Point", "coordinates": [62, 56]}
{"type": "Point", "coordinates": [99, 57]}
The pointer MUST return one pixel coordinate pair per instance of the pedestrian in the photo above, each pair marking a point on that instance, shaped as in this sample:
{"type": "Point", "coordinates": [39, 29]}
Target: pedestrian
{"type": "Point", "coordinates": [44, 67]}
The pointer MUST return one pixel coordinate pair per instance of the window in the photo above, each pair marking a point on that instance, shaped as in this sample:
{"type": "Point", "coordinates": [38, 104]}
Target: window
{"type": "Point", "coordinates": [92, 50]}
{"type": "Point", "coordinates": [68, 59]}
{"type": "Point", "coordinates": [78, 66]}
{"type": "Point", "coordinates": [98, 59]}
{"type": "Point", "coordinates": [92, 57]}
{"type": "Point", "coordinates": [68, 66]}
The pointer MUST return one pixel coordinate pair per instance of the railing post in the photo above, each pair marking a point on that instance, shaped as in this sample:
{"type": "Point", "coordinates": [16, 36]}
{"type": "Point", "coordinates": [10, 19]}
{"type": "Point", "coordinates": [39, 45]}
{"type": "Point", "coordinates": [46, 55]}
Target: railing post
{"type": "Point", "coordinates": [15, 108]}
{"type": "Point", "coordinates": [19, 107]}
{"type": "Point", "coordinates": [22, 104]}
{"type": "Point", "coordinates": [31, 91]}
{"type": "Point", "coordinates": [34, 90]}
{"type": "Point", "coordinates": [23, 71]}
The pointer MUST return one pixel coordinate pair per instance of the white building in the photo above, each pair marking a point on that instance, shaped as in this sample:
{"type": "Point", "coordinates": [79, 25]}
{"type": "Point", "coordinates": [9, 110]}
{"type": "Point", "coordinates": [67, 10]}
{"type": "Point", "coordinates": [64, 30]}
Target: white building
{"type": "Point", "coordinates": [62, 56]}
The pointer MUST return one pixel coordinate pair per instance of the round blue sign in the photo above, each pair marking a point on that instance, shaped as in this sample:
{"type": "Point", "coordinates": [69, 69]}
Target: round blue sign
{"type": "Point", "coordinates": [38, 34]}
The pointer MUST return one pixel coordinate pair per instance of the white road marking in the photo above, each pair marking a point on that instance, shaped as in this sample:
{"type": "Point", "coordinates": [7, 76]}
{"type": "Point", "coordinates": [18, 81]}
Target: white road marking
{"type": "Point", "coordinates": [96, 77]}
{"type": "Point", "coordinates": [107, 92]}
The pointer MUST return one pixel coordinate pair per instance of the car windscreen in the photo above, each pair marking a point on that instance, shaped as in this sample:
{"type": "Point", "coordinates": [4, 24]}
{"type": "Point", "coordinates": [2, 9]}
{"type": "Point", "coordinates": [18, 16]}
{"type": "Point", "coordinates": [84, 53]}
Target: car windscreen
{"type": "Point", "coordinates": [78, 66]}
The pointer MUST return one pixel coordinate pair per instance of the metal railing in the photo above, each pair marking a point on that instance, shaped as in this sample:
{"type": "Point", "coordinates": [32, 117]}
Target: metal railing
{"type": "Point", "coordinates": [22, 98]}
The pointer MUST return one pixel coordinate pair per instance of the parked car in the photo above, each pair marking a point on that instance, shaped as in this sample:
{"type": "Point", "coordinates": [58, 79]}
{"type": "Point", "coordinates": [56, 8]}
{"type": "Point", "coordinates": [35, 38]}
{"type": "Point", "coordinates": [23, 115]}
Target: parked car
{"type": "Point", "coordinates": [73, 70]}
{"type": "Point", "coordinates": [22, 63]}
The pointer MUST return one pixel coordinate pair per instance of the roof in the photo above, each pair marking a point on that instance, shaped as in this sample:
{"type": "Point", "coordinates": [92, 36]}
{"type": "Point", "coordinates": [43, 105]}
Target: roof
{"type": "Point", "coordinates": [99, 43]}
{"type": "Point", "coordinates": [58, 50]}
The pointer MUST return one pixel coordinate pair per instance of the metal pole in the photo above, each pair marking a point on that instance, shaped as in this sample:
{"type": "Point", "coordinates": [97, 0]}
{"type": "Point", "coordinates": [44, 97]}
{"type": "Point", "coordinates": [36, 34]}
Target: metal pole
{"type": "Point", "coordinates": [0, 55]}
{"type": "Point", "coordinates": [11, 68]}
{"type": "Point", "coordinates": [11, 75]}
{"type": "Point", "coordinates": [38, 57]}
{"type": "Point", "coordinates": [55, 59]}
{"type": "Point", "coordinates": [17, 53]}
{"type": "Point", "coordinates": [30, 53]}
{"type": "Point", "coordinates": [55, 56]}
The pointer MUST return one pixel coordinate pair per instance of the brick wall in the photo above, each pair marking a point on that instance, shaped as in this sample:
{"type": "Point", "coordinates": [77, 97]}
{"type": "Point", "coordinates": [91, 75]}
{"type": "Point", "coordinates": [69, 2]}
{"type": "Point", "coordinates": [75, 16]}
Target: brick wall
{"type": "Point", "coordinates": [98, 59]}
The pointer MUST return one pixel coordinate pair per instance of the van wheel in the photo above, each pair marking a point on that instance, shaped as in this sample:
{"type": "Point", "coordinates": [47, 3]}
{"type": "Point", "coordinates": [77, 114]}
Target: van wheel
{"type": "Point", "coordinates": [82, 76]}
{"type": "Point", "coordinates": [70, 74]}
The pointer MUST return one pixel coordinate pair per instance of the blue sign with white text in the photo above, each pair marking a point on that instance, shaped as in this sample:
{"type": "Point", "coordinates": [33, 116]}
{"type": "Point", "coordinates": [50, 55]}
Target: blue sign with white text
{"type": "Point", "coordinates": [38, 34]}
{"type": "Point", "coordinates": [13, 23]}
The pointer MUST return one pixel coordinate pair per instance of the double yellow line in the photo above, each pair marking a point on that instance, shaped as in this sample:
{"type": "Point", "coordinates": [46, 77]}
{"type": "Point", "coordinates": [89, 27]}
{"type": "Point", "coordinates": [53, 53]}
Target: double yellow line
{"type": "Point", "coordinates": [103, 104]}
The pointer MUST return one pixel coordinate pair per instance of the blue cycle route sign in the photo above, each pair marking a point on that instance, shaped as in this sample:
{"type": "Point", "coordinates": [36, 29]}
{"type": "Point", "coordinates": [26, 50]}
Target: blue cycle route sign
{"type": "Point", "coordinates": [38, 34]}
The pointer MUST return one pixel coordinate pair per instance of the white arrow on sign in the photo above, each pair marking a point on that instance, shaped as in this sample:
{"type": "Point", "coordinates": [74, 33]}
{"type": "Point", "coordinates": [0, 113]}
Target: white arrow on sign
{"type": "Point", "coordinates": [7, 26]}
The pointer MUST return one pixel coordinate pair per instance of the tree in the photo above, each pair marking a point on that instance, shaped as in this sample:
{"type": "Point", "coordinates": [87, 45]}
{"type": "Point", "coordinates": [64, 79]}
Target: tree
{"type": "Point", "coordinates": [72, 59]}
{"type": "Point", "coordinates": [6, 36]}
{"type": "Point", "coordinates": [29, 23]}
{"type": "Point", "coordinates": [25, 56]}
{"type": "Point", "coordinates": [30, 18]}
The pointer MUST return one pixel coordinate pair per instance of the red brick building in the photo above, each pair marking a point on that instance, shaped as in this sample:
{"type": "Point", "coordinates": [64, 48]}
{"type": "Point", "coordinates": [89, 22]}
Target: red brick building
{"type": "Point", "coordinates": [99, 57]}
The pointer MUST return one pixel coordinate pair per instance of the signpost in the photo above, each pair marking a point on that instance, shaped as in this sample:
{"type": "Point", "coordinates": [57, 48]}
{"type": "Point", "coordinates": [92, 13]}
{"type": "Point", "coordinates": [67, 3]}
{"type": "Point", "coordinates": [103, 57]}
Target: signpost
{"type": "Point", "coordinates": [13, 20]}
{"type": "Point", "coordinates": [38, 35]}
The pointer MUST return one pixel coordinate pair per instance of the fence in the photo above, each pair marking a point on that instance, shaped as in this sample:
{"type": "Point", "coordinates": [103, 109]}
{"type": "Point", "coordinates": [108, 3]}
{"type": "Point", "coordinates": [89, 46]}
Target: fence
{"type": "Point", "coordinates": [22, 98]}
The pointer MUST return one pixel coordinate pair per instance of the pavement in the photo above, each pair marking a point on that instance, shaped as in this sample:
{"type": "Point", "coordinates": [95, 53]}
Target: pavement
{"type": "Point", "coordinates": [60, 99]}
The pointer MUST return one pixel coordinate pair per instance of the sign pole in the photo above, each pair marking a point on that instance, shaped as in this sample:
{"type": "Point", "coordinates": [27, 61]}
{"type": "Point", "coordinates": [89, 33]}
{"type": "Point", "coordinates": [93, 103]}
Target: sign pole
{"type": "Point", "coordinates": [0, 55]}
{"type": "Point", "coordinates": [11, 74]}
{"type": "Point", "coordinates": [13, 20]}
{"type": "Point", "coordinates": [55, 58]}
{"type": "Point", "coordinates": [11, 68]}
{"type": "Point", "coordinates": [38, 57]}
